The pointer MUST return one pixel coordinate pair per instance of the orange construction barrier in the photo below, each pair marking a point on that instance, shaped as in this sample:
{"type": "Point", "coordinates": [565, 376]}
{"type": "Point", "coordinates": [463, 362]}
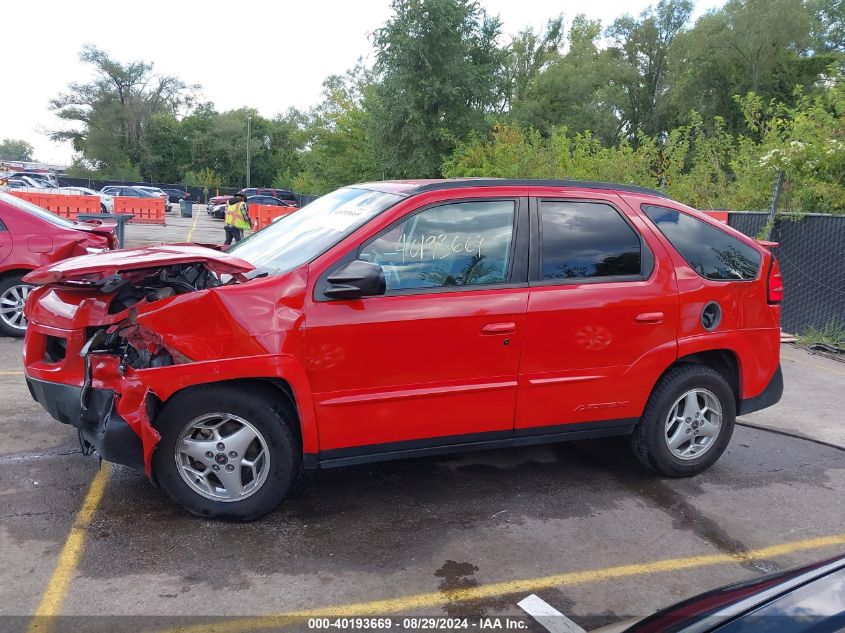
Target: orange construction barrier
{"type": "Point", "coordinates": [145, 210]}
{"type": "Point", "coordinates": [263, 214]}
{"type": "Point", "coordinates": [64, 206]}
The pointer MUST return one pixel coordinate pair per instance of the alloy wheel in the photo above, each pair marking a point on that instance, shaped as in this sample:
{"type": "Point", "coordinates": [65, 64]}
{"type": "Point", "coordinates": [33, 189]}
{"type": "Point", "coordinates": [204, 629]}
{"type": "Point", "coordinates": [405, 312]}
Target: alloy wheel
{"type": "Point", "coordinates": [222, 457]}
{"type": "Point", "coordinates": [12, 303]}
{"type": "Point", "coordinates": [693, 424]}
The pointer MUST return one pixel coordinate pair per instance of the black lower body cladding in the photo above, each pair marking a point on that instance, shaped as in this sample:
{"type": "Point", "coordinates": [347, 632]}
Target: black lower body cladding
{"type": "Point", "coordinates": [771, 395]}
{"type": "Point", "coordinates": [98, 423]}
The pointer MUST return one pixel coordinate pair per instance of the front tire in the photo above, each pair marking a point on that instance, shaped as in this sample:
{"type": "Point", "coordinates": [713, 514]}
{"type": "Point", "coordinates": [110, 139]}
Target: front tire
{"type": "Point", "coordinates": [687, 422]}
{"type": "Point", "coordinates": [227, 451]}
{"type": "Point", "coordinates": [13, 294]}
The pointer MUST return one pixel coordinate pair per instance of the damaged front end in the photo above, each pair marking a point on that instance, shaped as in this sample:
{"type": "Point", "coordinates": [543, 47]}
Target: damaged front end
{"type": "Point", "coordinates": [88, 347]}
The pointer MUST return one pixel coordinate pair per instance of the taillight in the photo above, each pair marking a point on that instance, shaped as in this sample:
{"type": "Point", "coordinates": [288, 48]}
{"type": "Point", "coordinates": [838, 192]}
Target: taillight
{"type": "Point", "coordinates": [775, 282]}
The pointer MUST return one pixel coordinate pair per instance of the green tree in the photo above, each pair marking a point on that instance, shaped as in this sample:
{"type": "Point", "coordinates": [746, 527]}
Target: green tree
{"type": "Point", "coordinates": [643, 46]}
{"type": "Point", "coordinates": [530, 53]}
{"type": "Point", "coordinates": [164, 151]}
{"type": "Point", "coordinates": [207, 179]}
{"type": "Point", "coordinates": [806, 141]}
{"type": "Point", "coordinates": [111, 113]}
{"type": "Point", "coordinates": [576, 90]}
{"type": "Point", "coordinates": [118, 169]}
{"type": "Point", "coordinates": [15, 149]}
{"type": "Point", "coordinates": [830, 26]}
{"type": "Point", "coordinates": [515, 153]}
{"type": "Point", "coordinates": [340, 145]}
{"type": "Point", "coordinates": [288, 136]}
{"type": "Point", "coordinates": [440, 71]}
{"type": "Point", "coordinates": [759, 46]}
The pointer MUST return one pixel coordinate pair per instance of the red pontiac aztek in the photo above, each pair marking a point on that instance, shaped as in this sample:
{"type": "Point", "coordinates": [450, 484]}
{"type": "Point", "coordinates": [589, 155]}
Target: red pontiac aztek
{"type": "Point", "coordinates": [31, 237]}
{"type": "Point", "coordinates": [400, 319]}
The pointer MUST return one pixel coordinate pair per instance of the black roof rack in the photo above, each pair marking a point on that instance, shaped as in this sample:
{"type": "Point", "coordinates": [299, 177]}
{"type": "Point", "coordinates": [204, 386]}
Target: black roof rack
{"type": "Point", "coordinates": [500, 182]}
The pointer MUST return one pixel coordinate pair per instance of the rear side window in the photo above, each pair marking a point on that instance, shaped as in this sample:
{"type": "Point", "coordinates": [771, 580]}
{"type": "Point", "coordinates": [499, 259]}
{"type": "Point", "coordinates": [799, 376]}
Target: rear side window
{"type": "Point", "coordinates": [710, 252]}
{"type": "Point", "coordinates": [583, 240]}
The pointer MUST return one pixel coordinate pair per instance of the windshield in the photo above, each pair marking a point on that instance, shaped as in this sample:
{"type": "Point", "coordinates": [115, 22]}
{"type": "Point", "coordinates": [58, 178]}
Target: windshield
{"type": "Point", "coordinates": [32, 209]}
{"type": "Point", "coordinates": [303, 235]}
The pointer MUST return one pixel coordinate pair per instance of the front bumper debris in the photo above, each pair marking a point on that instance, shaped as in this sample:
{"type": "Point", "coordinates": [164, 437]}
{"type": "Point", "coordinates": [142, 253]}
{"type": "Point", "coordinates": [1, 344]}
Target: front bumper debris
{"type": "Point", "coordinates": [98, 422]}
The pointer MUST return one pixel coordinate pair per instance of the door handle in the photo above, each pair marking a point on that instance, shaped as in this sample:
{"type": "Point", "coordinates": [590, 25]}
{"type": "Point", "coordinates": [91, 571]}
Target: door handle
{"type": "Point", "coordinates": [649, 317]}
{"type": "Point", "coordinates": [508, 327]}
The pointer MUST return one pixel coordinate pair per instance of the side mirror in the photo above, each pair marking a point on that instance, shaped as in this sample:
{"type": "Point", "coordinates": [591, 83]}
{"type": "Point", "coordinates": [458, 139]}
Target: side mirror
{"type": "Point", "coordinates": [355, 280]}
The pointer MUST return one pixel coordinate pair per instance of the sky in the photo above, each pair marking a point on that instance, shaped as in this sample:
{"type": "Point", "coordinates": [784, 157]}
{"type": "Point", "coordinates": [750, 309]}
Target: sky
{"type": "Point", "coordinates": [267, 55]}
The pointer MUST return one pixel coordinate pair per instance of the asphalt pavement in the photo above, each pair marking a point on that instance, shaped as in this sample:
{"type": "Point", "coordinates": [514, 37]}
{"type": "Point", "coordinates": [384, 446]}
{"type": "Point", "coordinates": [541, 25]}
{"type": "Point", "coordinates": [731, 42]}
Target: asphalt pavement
{"type": "Point", "coordinates": [582, 525]}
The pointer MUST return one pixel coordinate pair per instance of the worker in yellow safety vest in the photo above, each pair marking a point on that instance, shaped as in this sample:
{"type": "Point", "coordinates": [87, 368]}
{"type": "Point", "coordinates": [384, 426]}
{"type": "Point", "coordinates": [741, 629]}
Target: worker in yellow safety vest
{"type": "Point", "coordinates": [237, 218]}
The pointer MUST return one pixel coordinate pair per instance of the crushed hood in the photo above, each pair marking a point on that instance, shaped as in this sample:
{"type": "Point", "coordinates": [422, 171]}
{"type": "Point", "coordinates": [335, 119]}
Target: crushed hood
{"type": "Point", "coordinates": [103, 265]}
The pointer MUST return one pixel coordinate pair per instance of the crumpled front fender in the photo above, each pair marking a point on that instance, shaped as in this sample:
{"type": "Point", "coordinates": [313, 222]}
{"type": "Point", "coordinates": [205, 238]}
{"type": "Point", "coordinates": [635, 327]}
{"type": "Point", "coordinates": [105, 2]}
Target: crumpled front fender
{"type": "Point", "coordinates": [239, 332]}
{"type": "Point", "coordinates": [137, 389]}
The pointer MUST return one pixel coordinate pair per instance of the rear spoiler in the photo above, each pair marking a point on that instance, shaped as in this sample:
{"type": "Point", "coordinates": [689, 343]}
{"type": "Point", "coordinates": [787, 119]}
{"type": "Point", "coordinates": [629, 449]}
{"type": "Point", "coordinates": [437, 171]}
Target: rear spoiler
{"type": "Point", "coordinates": [767, 244]}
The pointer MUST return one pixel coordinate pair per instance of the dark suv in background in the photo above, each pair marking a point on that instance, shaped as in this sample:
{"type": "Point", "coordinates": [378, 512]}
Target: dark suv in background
{"type": "Point", "coordinates": [281, 194]}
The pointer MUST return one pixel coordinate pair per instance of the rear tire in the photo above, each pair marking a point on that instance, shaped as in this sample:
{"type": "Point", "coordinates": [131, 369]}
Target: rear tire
{"type": "Point", "coordinates": [13, 293]}
{"type": "Point", "coordinates": [687, 422]}
{"type": "Point", "coordinates": [227, 451]}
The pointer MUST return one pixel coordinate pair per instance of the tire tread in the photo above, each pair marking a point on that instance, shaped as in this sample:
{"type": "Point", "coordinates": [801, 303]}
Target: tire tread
{"type": "Point", "coordinates": [265, 499]}
{"type": "Point", "coordinates": [644, 441]}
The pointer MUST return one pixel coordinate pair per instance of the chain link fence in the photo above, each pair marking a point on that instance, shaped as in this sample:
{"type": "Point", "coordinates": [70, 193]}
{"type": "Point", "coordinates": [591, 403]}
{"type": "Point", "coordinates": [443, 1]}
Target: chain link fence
{"type": "Point", "coordinates": [811, 254]}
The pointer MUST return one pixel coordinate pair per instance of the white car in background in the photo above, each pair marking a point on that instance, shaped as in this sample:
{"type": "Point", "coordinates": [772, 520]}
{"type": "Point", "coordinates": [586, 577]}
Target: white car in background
{"type": "Point", "coordinates": [48, 179]}
{"type": "Point", "coordinates": [106, 200]}
{"type": "Point", "coordinates": [32, 181]}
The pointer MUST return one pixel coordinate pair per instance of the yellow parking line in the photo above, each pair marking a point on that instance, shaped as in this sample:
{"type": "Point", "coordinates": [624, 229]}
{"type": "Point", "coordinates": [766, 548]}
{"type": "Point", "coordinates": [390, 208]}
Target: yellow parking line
{"type": "Point", "coordinates": [11, 373]}
{"type": "Point", "coordinates": [407, 604]}
{"type": "Point", "coordinates": [59, 583]}
{"type": "Point", "coordinates": [193, 226]}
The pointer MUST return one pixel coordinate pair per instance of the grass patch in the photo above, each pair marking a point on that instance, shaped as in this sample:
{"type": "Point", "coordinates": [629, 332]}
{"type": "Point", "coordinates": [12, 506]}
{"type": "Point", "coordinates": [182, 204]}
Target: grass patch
{"type": "Point", "coordinates": [832, 333]}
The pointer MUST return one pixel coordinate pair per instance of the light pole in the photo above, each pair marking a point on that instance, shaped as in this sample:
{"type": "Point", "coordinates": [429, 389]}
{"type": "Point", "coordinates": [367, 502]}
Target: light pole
{"type": "Point", "coordinates": [248, 134]}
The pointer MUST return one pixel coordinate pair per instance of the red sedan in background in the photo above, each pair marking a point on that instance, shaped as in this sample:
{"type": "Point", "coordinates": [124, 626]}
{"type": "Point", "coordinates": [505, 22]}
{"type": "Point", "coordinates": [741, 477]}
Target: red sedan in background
{"type": "Point", "coordinates": [31, 237]}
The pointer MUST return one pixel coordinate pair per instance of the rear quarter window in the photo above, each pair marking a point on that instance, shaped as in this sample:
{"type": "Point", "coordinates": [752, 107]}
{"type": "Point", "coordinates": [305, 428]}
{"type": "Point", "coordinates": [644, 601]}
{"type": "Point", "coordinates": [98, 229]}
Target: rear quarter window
{"type": "Point", "coordinates": [589, 240]}
{"type": "Point", "coordinates": [710, 252]}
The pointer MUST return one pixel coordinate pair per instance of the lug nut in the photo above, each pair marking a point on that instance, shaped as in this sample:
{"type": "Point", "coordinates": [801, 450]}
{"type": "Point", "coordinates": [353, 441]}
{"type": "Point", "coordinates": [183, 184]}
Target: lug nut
{"type": "Point", "coordinates": [230, 467]}
{"type": "Point", "coordinates": [232, 454]}
{"type": "Point", "coordinates": [215, 467]}
{"type": "Point", "coordinates": [221, 446]}
{"type": "Point", "coordinates": [209, 454]}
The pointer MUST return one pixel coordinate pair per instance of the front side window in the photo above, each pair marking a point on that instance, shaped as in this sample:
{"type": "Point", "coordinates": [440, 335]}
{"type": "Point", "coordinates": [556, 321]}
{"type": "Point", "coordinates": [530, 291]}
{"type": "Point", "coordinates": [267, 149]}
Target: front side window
{"type": "Point", "coordinates": [710, 252]}
{"type": "Point", "coordinates": [457, 244]}
{"type": "Point", "coordinates": [584, 240]}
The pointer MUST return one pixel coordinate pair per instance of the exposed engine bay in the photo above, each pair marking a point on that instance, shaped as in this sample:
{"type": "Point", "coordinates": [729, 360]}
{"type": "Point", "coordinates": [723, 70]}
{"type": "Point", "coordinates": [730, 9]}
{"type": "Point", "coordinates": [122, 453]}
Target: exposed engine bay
{"type": "Point", "coordinates": [126, 329]}
{"type": "Point", "coordinates": [157, 284]}
{"type": "Point", "coordinates": [135, 345]}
